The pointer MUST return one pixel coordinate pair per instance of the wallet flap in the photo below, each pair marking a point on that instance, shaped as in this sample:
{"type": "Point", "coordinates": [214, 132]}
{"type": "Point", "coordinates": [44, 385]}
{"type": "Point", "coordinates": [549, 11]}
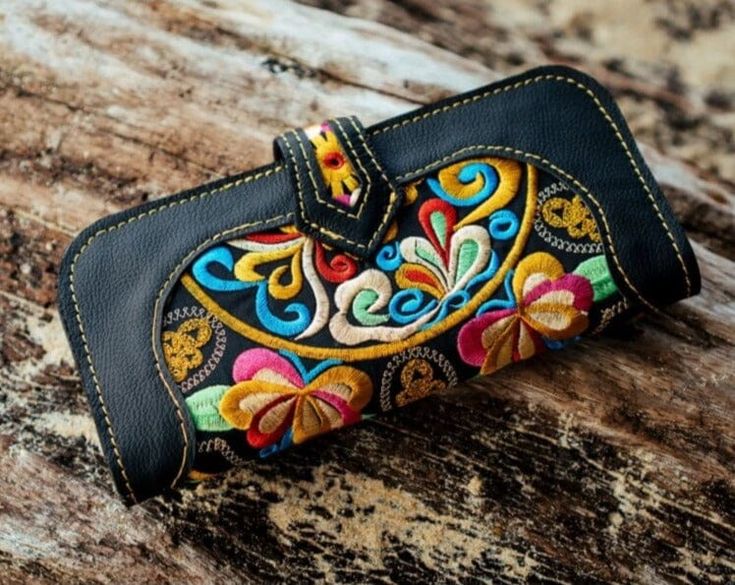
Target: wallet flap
{"type": "Point", "coordinates": [343, 197]}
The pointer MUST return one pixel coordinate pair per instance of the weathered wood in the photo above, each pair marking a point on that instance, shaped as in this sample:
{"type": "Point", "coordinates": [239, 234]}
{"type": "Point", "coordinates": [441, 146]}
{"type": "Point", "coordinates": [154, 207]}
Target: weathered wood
{"type": "Point", "coordinates": [612, 461]}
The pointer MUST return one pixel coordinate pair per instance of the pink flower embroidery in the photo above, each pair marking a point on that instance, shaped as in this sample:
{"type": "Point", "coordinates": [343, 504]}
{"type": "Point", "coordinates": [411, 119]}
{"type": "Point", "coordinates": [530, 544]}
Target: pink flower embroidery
{"type": "Point", "coordinates": [548, 304]}
{"type": "Point", "coordinates": [270, 397]}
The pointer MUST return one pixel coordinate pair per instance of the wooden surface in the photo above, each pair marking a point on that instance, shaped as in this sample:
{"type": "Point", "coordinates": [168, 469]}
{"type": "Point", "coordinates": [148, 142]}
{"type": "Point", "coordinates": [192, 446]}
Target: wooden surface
{"type": "Point", "coordinates": [610, 462]}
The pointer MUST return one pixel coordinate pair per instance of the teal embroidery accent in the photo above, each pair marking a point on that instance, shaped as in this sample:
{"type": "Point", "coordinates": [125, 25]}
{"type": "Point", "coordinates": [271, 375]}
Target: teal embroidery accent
{"type": "Point", "coordinates": [503, 224]}
{"type": "Point", "coordinates": [308, 375]}
{"type": "Point", "coordinates": [389, 257]}
{"type": "Point", "coordinates": [507, 303]}
{"type": "Point", "coordinates": [222, 256]}
{"type": "Point", "coordinates": [407, 305]}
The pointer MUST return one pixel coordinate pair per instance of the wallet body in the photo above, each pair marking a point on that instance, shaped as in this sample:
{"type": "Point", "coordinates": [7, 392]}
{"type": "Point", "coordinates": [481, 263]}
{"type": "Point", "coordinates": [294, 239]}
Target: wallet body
{"type": "Point", "coordinates": [364, 269]}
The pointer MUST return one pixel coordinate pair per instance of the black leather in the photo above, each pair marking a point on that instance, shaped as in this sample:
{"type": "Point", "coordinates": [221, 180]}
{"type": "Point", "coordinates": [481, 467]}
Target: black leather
{"type": "Point", "coordinates": [116, 275]}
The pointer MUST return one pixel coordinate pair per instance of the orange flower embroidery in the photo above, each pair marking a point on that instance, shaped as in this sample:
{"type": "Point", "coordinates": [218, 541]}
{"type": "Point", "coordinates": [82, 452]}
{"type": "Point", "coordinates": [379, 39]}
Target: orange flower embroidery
{"type": "Point", "coordinates": [272, 398]}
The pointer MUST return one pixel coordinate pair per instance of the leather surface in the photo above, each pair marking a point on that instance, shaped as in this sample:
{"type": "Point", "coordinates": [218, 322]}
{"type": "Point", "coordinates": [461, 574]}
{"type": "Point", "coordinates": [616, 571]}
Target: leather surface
{"type": "Point", "coordinates": [121, 269]}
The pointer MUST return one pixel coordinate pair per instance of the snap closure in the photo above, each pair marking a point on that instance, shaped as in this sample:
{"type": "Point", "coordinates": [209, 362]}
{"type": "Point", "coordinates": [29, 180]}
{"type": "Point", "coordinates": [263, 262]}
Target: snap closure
{"type": "Point", "coordinates": [344, 198]}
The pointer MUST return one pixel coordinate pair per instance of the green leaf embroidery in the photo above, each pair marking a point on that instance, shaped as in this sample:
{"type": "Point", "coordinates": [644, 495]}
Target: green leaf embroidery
{"type": "Point", "coordinates": [595, 270]}
{"type": "Point", "coordinates": [204, 410]}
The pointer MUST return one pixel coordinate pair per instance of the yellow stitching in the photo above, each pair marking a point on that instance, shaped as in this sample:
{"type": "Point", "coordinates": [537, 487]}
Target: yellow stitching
{"type": "Point", "coordinates": [377, 131]}
{"type": "Point", "coordinates": [359, 163]}
{"type": "Point", "coordinates": [600, 107]}
{"type": "Point", "coordinates": [314, 183]}
{"type": "Point", "coordinates": [85, 343]}
{"type": "Point", "coordinates": [561, 172]}
{"type": "Point", "coordinates": [368, 150]}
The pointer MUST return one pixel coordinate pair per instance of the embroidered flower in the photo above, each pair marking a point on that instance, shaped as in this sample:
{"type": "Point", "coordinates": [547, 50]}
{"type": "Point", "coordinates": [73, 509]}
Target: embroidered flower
{"type": "Point", "coordinates": [271, 398]}
{"type": "Point", "coordinates": [445, 260]}
{"type": "Point", "coordinates": [545, 304]}
{"type": "Point", "coordinates": [336, 168]}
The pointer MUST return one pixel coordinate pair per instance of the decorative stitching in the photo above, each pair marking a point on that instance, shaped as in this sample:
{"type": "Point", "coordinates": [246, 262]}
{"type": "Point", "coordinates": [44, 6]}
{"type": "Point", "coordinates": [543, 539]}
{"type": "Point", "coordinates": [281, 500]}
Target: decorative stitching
{"type": "Point", "coordinates": [222, 447]}
{"type": "Point", "coordinates": [610, 313]}
{"type": "Point", "coordinates": [600, 107]}
{"type": "Point", "coordinates": [85, 343]}
{"type": "Point", "coordinates": [553, 240]}
{"type": "Point", "coordinates": [418, 352]}
{"type": "Point", "coordinates": [220, 343]}
{"type": "Point", "coordinates": [186, 260]}
{"type": "Point", "coordinates": [256, 176]}
{"type": "Point", "coordinates": [358, 353]}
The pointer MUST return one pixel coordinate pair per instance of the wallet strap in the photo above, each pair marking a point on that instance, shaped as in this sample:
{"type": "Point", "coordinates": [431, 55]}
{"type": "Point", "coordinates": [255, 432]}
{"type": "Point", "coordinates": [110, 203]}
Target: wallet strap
{"type": "Point", "coordinates": [344, 198]}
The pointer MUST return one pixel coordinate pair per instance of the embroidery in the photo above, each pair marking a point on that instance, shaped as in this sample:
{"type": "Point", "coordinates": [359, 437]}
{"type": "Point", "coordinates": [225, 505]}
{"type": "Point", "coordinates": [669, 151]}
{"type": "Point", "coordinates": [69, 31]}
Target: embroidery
{"type": "Point", "coordinates": [419, 367]}
{"type": "Point", "coordinates": [566, 212]}
{"type": "Point", "coordinates": [609, 313]}
{"type": "Point", "coordinates": [418, 381]}
{"type": "Point", "coordinates": [335, 166]}
{"type": "Point", "coordinates": [174, 347]}
{"type": "Point", "coordinates": [276, 401]}
{"type": "Point", "coordinates": [204, 409]}
{"type": "Point", "coordinates": [223, 448]}
{"type": "Point", "coordinates": [299, 259]}
{"type": "Point", "coordinates": [543, 304]}
{"type": "Point", "coordinates": [596, 270]}
{"type": "Point", "coordinates": [427, 282]}
{"type": "Point", "coordinates": [456, 265]}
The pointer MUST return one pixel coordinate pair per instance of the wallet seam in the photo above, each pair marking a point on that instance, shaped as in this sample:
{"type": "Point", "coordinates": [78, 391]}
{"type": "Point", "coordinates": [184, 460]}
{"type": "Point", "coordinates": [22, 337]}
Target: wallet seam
{"type": "Point", "coordinates": [80, 324]}
{"type": "Point", "coordinates": [579, 85]}
{"type": "Point", "coordinates": [157, 305]}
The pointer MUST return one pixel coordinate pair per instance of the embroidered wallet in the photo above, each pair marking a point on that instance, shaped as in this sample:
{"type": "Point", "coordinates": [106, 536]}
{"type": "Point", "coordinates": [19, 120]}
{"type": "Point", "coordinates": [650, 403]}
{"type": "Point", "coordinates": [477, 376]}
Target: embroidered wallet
{"type": "Point", "coordinates": [363, 269]}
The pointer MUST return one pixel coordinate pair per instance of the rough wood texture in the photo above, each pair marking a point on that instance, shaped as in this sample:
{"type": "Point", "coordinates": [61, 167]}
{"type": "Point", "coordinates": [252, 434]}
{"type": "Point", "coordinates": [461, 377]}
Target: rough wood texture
{"type": "Point", "coordinates": [610, 462]}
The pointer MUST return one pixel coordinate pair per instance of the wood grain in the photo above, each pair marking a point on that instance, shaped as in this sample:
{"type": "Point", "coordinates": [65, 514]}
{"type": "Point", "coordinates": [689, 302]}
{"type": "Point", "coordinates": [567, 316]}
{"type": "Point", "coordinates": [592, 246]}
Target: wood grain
{"type": "Point", "coordinates": [609, 462]}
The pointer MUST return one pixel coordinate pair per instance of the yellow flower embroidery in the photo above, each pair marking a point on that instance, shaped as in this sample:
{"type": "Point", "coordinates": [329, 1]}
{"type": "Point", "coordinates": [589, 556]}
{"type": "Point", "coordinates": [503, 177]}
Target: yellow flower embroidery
{"type": "Point", "coordinates": [336, 168]}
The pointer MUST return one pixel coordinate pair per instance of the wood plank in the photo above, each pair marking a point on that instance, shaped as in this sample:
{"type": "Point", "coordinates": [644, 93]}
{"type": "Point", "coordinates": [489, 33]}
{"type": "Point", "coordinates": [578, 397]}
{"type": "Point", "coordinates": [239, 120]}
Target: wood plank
{"type": "Point", "coordinates": [612, 461]}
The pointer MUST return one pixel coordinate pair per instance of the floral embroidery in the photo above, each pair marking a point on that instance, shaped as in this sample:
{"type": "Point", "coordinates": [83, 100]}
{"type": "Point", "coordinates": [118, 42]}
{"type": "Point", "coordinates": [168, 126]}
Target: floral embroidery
{"type": "Point", "coordinates": [272, 399]}
{"type": "Point", "coordinates": [452, 280]}
{"type": "Point", "coordinates": [336, 168]}
{"type": "Point", "coordinates": [544, 304]}
{"type": "Point", "coordinates": [299, 258]}
{"type": "Point", "coordinates": [472, 224]}
{"type": "Point", "coordinates": [182, 348]}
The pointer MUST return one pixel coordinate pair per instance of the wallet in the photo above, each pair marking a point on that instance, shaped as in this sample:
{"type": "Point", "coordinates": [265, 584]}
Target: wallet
{"type": "Point", "coordinates": [365, 268]}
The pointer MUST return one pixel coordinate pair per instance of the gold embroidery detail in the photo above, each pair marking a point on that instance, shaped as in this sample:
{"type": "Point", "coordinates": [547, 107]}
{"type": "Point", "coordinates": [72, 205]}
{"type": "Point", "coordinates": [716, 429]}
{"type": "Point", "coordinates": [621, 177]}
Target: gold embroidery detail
{"type": "Point", "coordinates": [417, 379]}
{"type": "Point", "coordinates": [574, 216]}
{"type": "Point", "coordinates": [181, 347]}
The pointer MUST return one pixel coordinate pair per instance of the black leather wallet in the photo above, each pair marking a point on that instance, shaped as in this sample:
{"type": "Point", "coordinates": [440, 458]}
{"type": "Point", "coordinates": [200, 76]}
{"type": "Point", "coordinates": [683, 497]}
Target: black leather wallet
{"type": "Point", "coordinates": [363, 269]}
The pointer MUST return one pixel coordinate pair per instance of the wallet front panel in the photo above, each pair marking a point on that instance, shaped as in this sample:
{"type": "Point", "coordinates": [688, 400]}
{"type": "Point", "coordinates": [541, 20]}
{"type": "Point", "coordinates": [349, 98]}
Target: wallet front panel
{"type": "Point", "coordinates": [364, 269]}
